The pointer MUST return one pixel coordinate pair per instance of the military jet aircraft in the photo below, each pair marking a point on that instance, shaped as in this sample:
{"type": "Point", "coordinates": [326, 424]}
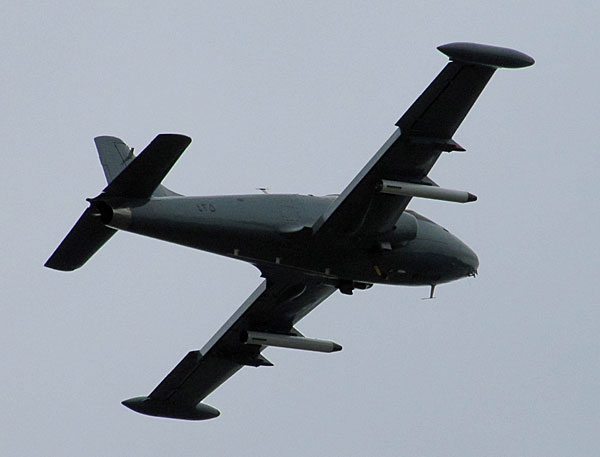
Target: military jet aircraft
{"type": "Point", "coordinates": [305, 247]}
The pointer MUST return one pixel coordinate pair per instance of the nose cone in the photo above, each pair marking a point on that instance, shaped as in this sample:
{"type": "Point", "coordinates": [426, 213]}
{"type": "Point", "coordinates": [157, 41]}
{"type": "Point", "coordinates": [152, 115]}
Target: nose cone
{"type": "Point", "coordinates": [470, 259]}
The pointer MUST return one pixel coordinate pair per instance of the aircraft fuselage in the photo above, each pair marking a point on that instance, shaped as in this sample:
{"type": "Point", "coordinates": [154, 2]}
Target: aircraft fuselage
{"type": "Point", "coordinates": [275, 230]}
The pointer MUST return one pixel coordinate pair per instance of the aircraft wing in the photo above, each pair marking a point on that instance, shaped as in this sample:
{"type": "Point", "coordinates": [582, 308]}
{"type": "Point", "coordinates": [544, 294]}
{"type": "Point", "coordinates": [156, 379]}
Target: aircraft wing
{"type": "Point", "coordinates": [424, 132]}
{"type": "Point", "coordinates": [274, 307]}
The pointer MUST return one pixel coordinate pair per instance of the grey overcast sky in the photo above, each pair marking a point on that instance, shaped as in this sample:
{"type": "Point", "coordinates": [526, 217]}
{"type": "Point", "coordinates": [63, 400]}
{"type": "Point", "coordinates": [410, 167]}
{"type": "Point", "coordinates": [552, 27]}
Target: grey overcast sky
{"type": "Point", "coordinates": [296, 97]}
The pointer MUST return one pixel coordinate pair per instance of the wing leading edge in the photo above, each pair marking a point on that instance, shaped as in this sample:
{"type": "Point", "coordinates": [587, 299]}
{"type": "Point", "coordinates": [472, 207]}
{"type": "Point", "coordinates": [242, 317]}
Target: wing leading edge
{"type": "Point", "coordinates": [274, 307]}
{"type": "Point", "coordinates": [424, 132]}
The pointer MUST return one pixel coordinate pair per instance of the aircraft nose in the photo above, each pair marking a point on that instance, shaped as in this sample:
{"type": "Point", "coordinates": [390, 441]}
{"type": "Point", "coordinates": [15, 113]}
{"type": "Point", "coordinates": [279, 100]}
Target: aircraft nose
{"type": "Point", "coordinates": [470, 259]}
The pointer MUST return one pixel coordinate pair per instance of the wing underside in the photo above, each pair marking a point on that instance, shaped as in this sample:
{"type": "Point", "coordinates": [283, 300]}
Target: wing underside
{"type": "Point", "coordinates": [274, 307]}
{"type": "Point", "coordinates": [424, 132]}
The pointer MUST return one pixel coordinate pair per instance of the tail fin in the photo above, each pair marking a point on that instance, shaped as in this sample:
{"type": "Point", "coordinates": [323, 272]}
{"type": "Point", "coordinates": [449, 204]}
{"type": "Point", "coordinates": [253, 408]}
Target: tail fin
{"type": "Point", "coordinates": [128, 177]}
{"type": "Point", "coordinates": [115, 156]}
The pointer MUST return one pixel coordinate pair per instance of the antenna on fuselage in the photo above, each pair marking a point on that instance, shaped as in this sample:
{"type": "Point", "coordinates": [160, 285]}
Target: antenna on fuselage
{"type": "Point", "coordinates": [431, 297]}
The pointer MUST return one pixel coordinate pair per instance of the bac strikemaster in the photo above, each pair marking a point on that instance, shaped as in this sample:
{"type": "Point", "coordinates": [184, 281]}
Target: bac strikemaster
{"type": "Point", "coordinates": [306, 247]}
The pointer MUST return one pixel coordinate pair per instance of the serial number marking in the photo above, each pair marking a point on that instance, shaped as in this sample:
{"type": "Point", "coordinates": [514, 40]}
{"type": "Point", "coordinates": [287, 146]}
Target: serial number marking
{"type": "Point", "coordinates": [206, 207]}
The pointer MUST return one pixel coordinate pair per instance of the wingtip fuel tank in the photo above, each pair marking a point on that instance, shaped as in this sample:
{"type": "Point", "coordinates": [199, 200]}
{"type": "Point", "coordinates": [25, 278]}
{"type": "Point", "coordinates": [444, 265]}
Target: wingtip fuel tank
{"type": "Point", "coordinates": [161, 408]}
{"type": "Point", "coordinates": [483, 54]}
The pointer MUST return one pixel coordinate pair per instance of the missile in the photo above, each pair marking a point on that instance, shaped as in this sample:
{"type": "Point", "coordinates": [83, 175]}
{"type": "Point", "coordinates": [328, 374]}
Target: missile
{"type": "Point", "coordinates": [290, 341]}
{"type": "Point", "coordinates": [421, 190]}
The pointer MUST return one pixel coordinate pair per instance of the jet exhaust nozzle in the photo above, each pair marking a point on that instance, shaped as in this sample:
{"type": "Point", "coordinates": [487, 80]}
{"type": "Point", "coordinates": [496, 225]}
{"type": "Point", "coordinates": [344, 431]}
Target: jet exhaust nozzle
{"type": "Point", "coordinates": [116, 218]}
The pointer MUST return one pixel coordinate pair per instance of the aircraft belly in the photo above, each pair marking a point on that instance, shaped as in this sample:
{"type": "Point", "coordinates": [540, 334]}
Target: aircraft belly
{"type": "Point", "coordinates": [255, 227]}
{"type": "Point", "coordinates": [245, 239]}
{"type": "Point", "coordinates": [400, 268]}
{"type": "Point", "coordinates": [219, 238]}
{"type": "Point", "coordinates": [263, 233]}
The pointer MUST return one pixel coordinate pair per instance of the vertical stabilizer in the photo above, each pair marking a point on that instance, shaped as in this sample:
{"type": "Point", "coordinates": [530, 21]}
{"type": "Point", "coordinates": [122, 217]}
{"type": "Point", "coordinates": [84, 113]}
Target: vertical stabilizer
{"type": "Point", "coordinates": [115, 156]}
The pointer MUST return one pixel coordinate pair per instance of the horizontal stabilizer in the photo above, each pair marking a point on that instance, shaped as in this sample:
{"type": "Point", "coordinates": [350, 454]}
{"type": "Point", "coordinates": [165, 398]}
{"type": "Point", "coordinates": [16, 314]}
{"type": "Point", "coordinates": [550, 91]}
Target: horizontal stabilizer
{"type": "Point", "coordinates": [129, 177]}
{"type": "Point", "coordinates": [87, 236]}
{"type": "Point", "coordinates": [145, 173]}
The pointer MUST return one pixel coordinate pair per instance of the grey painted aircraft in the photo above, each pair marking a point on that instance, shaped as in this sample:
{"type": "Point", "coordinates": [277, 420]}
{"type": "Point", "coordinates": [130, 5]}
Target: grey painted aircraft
{"type": "Point", "coordinates": [305, 247]}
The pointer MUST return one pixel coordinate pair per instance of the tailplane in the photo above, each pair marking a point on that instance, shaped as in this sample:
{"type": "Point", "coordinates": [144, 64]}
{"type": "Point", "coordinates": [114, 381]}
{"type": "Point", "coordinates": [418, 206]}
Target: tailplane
{"type": "Point", "coordinates": [128, 177]}
{"type": "Point", "coordinates": [115, 156]}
